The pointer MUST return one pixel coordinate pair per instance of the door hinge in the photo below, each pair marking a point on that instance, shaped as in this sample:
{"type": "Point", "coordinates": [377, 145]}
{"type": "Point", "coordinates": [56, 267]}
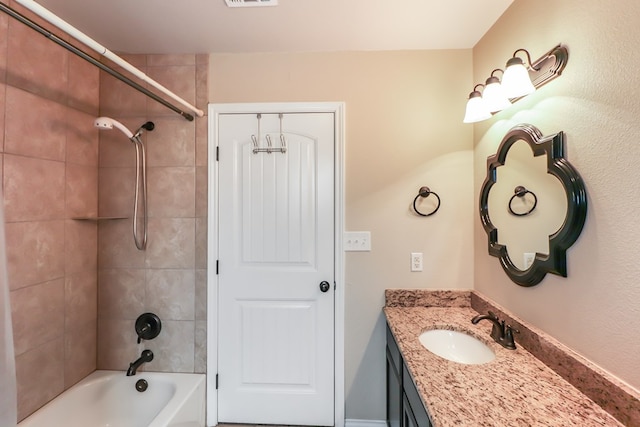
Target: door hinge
{"type": "Point", "coordinates": [217, 266]}
{"type": "Point", "coordinates": [216, 381]}
{"type": "Point", "coordinates": [217, 153]}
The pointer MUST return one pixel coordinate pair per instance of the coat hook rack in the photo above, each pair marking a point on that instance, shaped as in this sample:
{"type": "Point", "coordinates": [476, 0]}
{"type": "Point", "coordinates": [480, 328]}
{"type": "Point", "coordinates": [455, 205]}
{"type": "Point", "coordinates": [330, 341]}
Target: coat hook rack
{"type": "Point", "coordinates": [269, 148]}
{"type": "Point", "coordinates": [425, 192]}
{"type": "Point", "coordinates": [520, 192]}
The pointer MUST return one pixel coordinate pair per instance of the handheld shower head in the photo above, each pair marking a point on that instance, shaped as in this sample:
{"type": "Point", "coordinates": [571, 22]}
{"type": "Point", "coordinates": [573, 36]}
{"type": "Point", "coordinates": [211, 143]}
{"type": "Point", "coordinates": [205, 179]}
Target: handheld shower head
{"type": "Point", "coordinates": [109, 123]}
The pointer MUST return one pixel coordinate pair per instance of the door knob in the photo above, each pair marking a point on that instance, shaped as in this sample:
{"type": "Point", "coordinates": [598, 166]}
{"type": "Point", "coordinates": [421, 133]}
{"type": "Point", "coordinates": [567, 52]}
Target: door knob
{"type": "Point", "coordinates": [324, 286]}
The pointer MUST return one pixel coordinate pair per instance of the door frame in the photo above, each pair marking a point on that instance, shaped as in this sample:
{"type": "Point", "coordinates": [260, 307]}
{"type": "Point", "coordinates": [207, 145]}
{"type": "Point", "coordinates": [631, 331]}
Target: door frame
{"type": "Point", "coordinates": [214, 112]}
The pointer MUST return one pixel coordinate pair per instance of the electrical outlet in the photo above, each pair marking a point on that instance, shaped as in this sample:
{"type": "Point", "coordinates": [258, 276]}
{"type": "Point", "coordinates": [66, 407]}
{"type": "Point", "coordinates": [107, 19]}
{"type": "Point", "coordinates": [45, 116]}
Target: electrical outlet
{"type": "Point", "coordinates": [529, 257]}
{"type": "Point", "coordinates": [416, 261]}
{"type": "Point", "coordinates": [357, 241]}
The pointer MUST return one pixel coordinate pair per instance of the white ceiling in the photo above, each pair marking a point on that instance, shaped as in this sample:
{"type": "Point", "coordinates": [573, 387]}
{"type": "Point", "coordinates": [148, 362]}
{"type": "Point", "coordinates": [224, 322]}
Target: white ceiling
{"type": "Point", "coordinates": [208, 26]}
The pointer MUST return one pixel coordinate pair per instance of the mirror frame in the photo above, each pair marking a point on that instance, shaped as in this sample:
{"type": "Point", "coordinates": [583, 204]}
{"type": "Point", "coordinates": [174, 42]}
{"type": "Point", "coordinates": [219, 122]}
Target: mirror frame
{"type": "Point", "coordinates": [557, 165]}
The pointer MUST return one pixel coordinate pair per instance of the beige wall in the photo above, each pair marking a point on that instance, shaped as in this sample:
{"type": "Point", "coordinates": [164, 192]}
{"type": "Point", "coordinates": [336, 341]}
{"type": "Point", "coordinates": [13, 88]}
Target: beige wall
{"type": "Point", "coordinates": [596, 102]}
{"type": "Point", "coordinates": [403, 131]}
{"type": "Point", "coordinates": [48, 99]}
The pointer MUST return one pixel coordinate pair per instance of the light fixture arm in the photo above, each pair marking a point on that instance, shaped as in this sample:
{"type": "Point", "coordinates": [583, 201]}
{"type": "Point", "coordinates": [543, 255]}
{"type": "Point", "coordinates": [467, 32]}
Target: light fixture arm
{"type": "Point", "coordinates": [497, 69]}
{"type": "Point", "coordinates": [529, 66]}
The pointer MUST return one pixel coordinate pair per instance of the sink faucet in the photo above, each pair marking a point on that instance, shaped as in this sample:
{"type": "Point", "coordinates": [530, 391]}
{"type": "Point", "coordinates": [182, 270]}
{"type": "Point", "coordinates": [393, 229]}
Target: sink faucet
{"type": "Point", "coordinates": [500, 332]}
{"type": "Point", "coordinates": [146, 356]}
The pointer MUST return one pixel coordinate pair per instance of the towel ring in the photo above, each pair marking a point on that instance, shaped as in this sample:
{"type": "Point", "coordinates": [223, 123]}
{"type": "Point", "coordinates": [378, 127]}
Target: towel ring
{"type": "Point", "coordinates": [520, 192]}
{"type": "Point", "coordinates": [425, 192]}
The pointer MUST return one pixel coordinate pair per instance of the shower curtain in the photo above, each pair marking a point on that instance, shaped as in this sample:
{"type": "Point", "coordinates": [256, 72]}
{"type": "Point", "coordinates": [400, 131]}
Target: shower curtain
{"type": "Point", "coordinates": [8, 400]}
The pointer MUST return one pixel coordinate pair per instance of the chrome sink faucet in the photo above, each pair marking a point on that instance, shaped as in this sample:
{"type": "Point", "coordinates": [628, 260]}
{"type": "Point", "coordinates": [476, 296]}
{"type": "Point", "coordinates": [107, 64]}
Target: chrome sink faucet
{"type": "Point", "coordinates": [146, 356]}
{"type": "Point", "coordinates": [500, 332]}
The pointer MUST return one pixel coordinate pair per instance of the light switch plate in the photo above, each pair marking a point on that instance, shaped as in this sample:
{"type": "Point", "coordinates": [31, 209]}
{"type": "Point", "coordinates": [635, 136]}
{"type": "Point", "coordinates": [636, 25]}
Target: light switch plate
{"type": "Point", "coordinates": [357, 241]}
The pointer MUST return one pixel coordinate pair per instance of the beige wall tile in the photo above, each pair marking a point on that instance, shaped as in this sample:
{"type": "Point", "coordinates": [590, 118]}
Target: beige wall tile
{"type": "Point", "coordinates": [35, 64]}
{"type": "Point", "coordinates": [171, 294]}
{"type": "Point", "coordinates": [172, 143]}
{"type": "Point", "coordinates": [201, 243]}
{"type": "Point", "coordinates": [201, 141]}
{"type": "Point", "coordinates": [47, 107]}
{"type": "Point", "coordinates": [84, 85]}
{"type": "Point", "coordinates": [33, 189]}
{"type": "Point", "coordinates": [135, 59]}
{"type": "Point", "coordinates": [80, 300]}
{"type": "Point", "coordinates": [82, 139]}
{"type": "Point", "coordinates": [80, 246]}
{"type": "Point", "coordinates": [201, 347]}
{"type": "Point", "coordinates": [3, 93]}
{"type": "Point", "coordinates": [117, 190]}
{"type": "Point", "coordinates": [80, 352]}
{"type": "Point", "coordinates": [116, 150]}
{"type": "Point", "coordinates": [201, 295]}
{"type": "Point", "coordinates": [81, 194]}
{"type": "Point", "coordinates": [171, 243]}
{"type": "Point", "coordinates": [169, 60]}
{"type": "Point", "coordinates": [121, 293]}
{"type": "Point", "coordinates": [4, 28]}
{"type": "Point", "coordinates": [117, 99]}
{"type": "Point", "coordinates": [117, 346]}
{"type": "Point", "coordinates": [35, 252]}
{"type": "Point", "coordinates": [116, 246]}
{"type": "Point", "coordinates": [174, 348]}
{"type": "Point", "coordinates": [40, 376]}
{"type": "Point", "coordinates": [182, 81]}
{"type": "Point", "coordinates": [202, 87]}
{"type": "Point", "coordinates": [35, 126]}
{"type": "Point", "coordinates": [37, 314]}
{"type": "Point", "coordinates": [202, 191]}
{"type": "Point", "coordinates": [171, 192]}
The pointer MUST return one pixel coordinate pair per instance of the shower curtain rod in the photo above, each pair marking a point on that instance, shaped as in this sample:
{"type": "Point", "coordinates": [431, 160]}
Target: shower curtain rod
{"type": "Point", "coordinates": [53, 19]}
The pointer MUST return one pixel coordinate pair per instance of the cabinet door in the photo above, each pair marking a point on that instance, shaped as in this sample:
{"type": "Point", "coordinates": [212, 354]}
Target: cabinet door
{"type": "Point", "coordinates": [394, 394]}
{"type": "Point", "coordinates": [414, 410]}
{"type": "Point", "coordinates": [408, 419]}
{"type": "Point", "coordinates": [394, 382]}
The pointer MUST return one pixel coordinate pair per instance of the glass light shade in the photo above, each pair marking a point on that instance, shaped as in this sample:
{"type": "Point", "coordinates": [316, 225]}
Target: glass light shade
{"type": "Point", "coordinates": [494, 97]}
{"type": "Point", "coordinates": [476, 109]}
{"type": "Point", "coordinates": [516, 81]}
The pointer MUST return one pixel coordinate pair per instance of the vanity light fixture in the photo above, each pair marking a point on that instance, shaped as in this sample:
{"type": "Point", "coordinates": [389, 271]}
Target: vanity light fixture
{"type": "Point", "coordinates": [493, 95]}
{"type": "Point", "coordinates": [518, 80]}
{"type": "Point", "coordinates": [515, 80]}
{"type": "Point", "coordinates": [476, 107]}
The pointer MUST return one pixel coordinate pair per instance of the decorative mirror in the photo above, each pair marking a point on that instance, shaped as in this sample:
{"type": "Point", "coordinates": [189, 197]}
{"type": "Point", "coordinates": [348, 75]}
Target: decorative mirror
{"type": "Point", "coordinates": [537, 200]}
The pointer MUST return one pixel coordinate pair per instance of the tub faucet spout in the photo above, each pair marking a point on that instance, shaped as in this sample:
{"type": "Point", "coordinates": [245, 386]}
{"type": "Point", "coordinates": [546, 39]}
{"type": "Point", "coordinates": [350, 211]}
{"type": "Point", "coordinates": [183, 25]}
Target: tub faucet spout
{"type": "Point", "coordinates": [146, 356]}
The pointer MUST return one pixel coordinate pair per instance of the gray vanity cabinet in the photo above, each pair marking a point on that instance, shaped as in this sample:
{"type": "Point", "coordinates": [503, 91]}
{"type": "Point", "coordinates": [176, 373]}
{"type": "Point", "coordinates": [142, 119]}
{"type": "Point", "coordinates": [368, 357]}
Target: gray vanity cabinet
{"type": "Point", "coordinates": [404, 407]}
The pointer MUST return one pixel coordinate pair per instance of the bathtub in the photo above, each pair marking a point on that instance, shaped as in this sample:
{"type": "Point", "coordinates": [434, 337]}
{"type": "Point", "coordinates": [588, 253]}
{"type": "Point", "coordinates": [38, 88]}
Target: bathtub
{"type": "Point", "coordinates": [110, 399]}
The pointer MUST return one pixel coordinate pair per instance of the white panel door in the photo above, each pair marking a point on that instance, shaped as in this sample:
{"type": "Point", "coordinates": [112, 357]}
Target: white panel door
{"type": "Point", "coordinates": [276, 246]}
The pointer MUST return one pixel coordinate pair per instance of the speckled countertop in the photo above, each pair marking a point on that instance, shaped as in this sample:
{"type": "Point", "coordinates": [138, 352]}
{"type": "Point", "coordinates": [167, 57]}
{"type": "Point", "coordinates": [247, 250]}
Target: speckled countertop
{"type": "Point", "coordinates": [515, 389]}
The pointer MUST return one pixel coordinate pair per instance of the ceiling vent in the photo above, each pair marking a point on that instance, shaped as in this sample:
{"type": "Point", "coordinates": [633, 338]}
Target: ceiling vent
{"type": "Point", "coordinates": [251, 3]}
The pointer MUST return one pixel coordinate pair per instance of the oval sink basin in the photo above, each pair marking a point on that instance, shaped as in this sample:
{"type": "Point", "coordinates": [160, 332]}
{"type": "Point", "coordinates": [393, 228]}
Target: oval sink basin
{"type": "Point", "coordinates": [456, 346]}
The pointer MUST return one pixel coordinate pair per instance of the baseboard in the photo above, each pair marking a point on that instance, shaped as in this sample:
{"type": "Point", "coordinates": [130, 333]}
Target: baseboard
{"type": "Point", "coordinates": [365, 423]}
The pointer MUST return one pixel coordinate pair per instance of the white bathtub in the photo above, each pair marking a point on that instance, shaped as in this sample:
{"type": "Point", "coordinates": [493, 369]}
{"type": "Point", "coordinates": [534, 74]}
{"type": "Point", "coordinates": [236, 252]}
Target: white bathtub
{"type": "Point", "coordinates": [110, 399]}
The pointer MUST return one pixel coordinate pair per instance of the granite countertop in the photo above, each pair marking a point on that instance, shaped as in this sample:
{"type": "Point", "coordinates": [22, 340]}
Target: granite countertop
{"type": "Point", "coordinates": [515, 389]}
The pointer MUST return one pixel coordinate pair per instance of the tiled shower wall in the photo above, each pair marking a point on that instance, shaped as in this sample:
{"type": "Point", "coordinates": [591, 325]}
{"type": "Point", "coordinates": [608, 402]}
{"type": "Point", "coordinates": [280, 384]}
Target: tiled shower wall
{"type": "Point", "coordinates": [48, 99]}
{"type": "Point", "coordinates": [169, 277]}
